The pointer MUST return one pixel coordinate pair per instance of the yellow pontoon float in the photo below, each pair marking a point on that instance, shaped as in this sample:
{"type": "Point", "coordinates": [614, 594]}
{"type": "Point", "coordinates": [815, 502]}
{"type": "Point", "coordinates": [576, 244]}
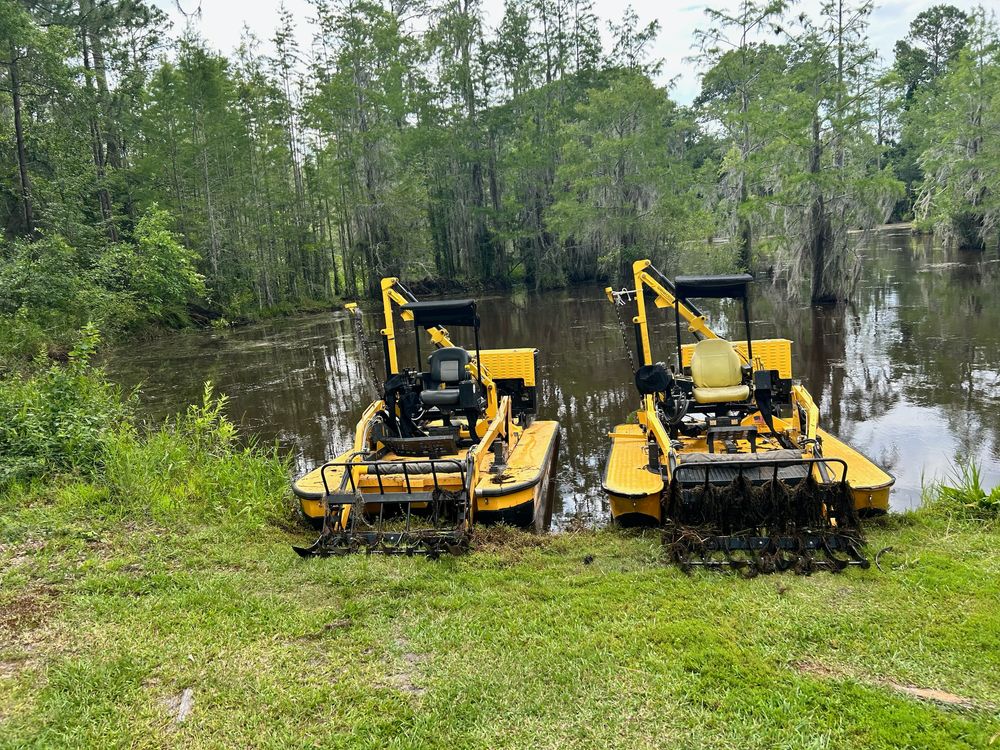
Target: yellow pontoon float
{"type": "Point", "coordinates": [726, 452]}
{"type": "Point", "coordinates": [437, 450]}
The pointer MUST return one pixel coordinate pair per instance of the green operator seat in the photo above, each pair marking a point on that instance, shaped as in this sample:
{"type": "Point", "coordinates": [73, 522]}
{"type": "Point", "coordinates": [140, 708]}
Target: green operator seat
{"type": "Point", "coordinates": [717, 373]}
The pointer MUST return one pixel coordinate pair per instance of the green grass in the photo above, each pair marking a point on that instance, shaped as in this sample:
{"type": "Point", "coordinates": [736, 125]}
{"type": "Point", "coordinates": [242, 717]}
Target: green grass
{"type": "Point", "coordinates": [105, 621]}
{"type": "Point", "coordinates": [962, 494]}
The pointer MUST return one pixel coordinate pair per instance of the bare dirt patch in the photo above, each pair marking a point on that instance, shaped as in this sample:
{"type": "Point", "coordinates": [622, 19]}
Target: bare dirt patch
{"type": "Point", "coordinates": [934, 695]}
{"type": "Point", "coordinates": [27, 610]}
{"type": "Point", "coordinates": [815, 669]}
{"type": "Point", "coordinates": [179, 706]}
{"type": "Point", "coordinates": [10, 669]}
{"type": "Point", "coordinates": [21, 553]}
{"type": "Point", "coordinates": [404, 678]}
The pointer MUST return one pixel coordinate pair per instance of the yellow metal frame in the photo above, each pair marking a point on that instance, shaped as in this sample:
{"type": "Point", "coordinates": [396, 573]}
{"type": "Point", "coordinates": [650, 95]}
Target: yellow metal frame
{"type": "Point", "coordinates": [439, 337]}
{"type": "Point", "coordinates": [500, 427]}
{"type": "Point", "coordinates": [802, 399]}
{"type": "Point", "coordinates": [663, 298]}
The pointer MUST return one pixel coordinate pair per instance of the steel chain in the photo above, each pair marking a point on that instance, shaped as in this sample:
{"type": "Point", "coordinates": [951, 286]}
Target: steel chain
{"type": "Point", "coordinates": [621, 328]}
{"type": "Point", "coordinates": [366, 360]}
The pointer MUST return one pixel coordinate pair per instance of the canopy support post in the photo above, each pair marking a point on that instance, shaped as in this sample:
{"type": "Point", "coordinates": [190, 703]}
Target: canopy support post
{"type": "Point", "coordinates": [746, 318]}
{"type": "Point", "coordinates": [479, 361]}
{"type": "Point", "coordinates": [677, 326]}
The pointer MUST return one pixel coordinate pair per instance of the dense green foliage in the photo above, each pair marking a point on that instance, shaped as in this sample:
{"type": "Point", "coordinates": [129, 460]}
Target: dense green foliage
{"type": "Point", "coordinates": [958, 119]}
{"type": "Point", "coordinates": [69, 422]}
{"type": "Point", "coordinates": [60, 420]}
{"type": "Point", "coordinates": [50, 289]}
{"type": "Point", "coordinates": [416, 141]}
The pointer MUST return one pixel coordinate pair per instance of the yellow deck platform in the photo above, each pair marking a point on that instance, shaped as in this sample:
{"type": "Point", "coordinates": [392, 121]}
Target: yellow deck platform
{"type": "Point", "coordinates": [633, 491]}
{"type": "Point", "coordinates": [869, 482]}
{"type": "Point", "coordinates": [626, 474]}
{"type": "Point", "coordinates": [526, 464]}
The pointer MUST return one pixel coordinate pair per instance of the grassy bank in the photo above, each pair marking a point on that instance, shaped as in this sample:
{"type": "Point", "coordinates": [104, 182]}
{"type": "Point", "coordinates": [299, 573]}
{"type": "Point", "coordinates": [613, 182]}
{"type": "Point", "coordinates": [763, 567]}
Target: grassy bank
{"type": "Point", "coordinates": [114, 625]}
{"type": "Point", "coordinates": [149, 598]}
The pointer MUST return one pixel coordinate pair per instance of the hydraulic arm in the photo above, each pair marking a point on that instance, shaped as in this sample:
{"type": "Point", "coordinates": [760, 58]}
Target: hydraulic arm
{"type": "Point", "coordinates": [646, 276]}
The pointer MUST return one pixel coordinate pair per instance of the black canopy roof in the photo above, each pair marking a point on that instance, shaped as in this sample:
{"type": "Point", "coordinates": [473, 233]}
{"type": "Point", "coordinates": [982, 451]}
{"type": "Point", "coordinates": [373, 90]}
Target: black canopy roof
{"type": "Point", "coordinates": [732, 286]}
{"type": "Point", "coordinates": [446, 312]}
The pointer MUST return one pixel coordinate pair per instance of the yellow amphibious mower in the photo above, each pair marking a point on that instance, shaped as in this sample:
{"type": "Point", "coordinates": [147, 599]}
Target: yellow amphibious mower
{"type": "Point", "coordinates": [726, 453]}
{"type": "Point", "coordinates": [437, 450]}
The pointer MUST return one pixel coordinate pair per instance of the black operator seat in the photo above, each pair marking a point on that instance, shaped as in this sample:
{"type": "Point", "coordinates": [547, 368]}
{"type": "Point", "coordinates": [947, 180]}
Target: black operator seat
{"type": "Point", "coordinates": [447, 372]}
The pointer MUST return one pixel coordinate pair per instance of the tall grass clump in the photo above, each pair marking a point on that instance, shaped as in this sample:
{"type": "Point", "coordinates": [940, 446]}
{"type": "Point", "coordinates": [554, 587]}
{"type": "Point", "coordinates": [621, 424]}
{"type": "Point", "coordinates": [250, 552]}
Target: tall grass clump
{"type": "Point", "coordinates": [194, 466]}
{"type": "Point", "coordinates": [65, 426]}
{"type": "Point", "coordinates": [962, 495]}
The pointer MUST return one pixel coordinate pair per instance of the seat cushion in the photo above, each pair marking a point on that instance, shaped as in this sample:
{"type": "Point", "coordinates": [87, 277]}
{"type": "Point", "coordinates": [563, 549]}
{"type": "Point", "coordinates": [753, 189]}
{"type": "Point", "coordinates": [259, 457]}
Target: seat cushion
{"type": "Point", "coordinates": [715, 364]}
{"type": "Point", "coordinates": [721, 395]}
{"type": "Point", "coordinates": [447, 365]}
{"type": "Point", "coordinates": [442, 397]}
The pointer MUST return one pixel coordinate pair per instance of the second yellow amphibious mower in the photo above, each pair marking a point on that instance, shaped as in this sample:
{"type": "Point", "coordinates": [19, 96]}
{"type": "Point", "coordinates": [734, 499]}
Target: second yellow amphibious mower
{"type": "Point", "coordinates": [726, 451]}
{"type": "Point", "coordinates": [438, 450]}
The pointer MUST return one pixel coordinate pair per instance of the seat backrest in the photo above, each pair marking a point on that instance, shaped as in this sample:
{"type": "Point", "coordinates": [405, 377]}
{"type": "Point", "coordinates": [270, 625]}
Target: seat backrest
{"type": "Point", "coordinates": [715, 364]}
{"type": "Point", "coordinates": [447, 365]}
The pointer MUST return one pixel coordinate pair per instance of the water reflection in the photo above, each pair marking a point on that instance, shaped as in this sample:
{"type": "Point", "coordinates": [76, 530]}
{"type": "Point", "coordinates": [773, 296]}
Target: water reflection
{"type": "Point", "coordinates": [908, 373]}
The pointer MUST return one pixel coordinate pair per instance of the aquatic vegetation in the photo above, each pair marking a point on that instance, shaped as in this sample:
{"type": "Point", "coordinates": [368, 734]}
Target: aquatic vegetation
{"type": "Point", "coordinates": [962, 493]}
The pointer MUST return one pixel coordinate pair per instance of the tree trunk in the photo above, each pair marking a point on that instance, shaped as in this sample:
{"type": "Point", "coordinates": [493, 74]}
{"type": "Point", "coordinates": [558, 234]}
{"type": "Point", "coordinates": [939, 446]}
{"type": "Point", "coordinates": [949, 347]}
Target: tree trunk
{"type": "Point", "coordinates": [97, 145]}
{"type": "Point", "coordinates": [27, 213]}
{"type": "Point", "coordinates": [213, 238]}
{"type": "Point", "coordinates": [824, 289]}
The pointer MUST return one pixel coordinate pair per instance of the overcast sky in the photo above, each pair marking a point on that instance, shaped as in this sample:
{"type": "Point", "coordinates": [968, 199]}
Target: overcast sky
{"type": "Point", "coordinates": [222, 21]}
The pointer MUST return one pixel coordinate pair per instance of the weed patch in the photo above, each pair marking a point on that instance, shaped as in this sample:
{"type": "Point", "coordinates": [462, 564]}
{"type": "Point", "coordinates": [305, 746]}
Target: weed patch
{"type": "Point", "coordinates": [962, 495]}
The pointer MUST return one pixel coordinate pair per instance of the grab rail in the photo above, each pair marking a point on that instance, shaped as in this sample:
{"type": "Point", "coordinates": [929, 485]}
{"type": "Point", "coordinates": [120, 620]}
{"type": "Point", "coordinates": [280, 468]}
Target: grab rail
{"type": "Point", "coordinates": [435, 464]}
{"type": "Point", "coordinates": [775, 463]}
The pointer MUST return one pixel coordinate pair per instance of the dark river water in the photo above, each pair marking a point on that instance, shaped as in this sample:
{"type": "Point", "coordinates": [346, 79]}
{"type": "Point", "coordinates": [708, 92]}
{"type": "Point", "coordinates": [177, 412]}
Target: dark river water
{"type": "Point", "coordinates": [909, 373]}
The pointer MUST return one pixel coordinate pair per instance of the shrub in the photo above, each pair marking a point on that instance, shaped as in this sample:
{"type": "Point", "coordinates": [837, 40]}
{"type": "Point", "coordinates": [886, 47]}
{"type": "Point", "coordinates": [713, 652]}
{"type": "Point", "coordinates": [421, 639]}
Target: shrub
{"type": "Point", "coordinates": [60, 418]}
{"type": "Point", "coordinates": [67, 420]}
{"type": "Point", "coordinates": [193, 466]}
{"type": "Point", "coordinates": [155, 271]}
{"type": "Point", "coordinates": [50, 289]}
{"type": "Point", "coordinates": [44, 297]}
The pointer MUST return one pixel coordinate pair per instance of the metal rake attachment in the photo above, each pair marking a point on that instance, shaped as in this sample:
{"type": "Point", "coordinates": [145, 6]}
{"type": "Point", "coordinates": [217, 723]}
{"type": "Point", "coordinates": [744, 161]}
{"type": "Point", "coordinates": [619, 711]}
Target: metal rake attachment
{"type": "Point", "coordinates": [803, 552]}
{"type": "Point", "coordinates": [445, 528]}
{"type": "Point", "coordinates": [429, 543]}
